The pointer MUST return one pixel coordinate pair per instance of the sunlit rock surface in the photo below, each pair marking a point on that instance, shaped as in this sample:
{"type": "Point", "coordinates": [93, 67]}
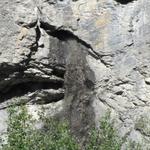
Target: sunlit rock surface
{"type": "Point", "coordinates": [86, 55]}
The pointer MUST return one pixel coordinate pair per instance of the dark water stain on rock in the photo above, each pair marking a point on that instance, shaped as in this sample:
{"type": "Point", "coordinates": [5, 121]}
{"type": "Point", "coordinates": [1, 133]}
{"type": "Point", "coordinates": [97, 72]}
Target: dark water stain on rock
{"type": "Point", "coordinates": [69, 51]}
{"type": "Point", "coordinates": [79, 84]}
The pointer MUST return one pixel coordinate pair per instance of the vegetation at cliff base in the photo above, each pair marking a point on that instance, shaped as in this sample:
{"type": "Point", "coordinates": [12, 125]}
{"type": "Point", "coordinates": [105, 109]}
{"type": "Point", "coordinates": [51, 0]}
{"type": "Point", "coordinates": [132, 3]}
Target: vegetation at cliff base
{"type": "Point", "coordinates": [104, 138]}
{"type": "Point", "coordinates": [22, 134]}
{"type": "Point", "coordinates": [55, 135]}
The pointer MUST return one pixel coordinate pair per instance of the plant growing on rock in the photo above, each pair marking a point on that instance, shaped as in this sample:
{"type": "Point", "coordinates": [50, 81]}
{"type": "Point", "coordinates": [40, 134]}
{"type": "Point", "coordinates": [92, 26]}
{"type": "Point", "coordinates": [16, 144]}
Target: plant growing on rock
{"type": "Point", "coordinates": [22, 135]}
{"type": "Point", "coordinates": [55, 135]}
{"type": "Point", "coordinates": [105, 137]}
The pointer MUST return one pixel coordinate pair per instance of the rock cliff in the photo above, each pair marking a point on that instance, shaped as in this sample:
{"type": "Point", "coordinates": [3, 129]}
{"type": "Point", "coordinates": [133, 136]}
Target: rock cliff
{"type": "Point", "coordinates": [78, 58]}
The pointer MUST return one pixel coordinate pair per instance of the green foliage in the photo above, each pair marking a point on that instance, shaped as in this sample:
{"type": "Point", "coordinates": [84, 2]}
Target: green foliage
{"type": "Point", "coordinates": [104, 138]}
{"type": "Point", "coordinates": [18, 129]}
{"type": "Point", "coordinates": [55, 135]}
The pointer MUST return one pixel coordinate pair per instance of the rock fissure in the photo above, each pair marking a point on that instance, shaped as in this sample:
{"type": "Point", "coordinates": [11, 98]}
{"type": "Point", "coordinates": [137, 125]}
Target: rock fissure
{"type": "Point", "coordinates": [124, 2]}
{"type": "Point", "coordinates": [64, 35]}
{"type": "Point", "coordinates": [23, 88]}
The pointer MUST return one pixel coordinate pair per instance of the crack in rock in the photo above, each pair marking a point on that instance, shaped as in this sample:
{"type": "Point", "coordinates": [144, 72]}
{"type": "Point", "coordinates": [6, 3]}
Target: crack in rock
{"type": "Point", "coordinates": [124, 2]}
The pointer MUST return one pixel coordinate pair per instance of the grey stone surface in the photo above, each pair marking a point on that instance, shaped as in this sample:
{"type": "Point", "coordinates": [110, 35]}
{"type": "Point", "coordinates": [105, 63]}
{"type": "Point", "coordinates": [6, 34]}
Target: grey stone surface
{"type": "Point", "coordinates": [90, 55]}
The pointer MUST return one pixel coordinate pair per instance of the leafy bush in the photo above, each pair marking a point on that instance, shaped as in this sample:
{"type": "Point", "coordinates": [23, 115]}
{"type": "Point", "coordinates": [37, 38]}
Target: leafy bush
{"type": "Point", "coordinates": [22, 135]}
{"type": "Point", "coordinates": [18, 129]}
{"type": "Point", "coordinates": [104, 138]}
{"type": "Point", "coordinates": [55, 135]}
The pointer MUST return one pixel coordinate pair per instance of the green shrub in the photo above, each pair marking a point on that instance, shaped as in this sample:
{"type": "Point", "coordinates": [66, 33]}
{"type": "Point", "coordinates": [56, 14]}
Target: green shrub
{"type": "Point", "coordinates": [22, 135]}
{"type": "Point", "coordinates": [55, 135]}
{"type": "Point", "coordinates": [104, 138]}
{"type": "Point", "coordinates": [18, 129]}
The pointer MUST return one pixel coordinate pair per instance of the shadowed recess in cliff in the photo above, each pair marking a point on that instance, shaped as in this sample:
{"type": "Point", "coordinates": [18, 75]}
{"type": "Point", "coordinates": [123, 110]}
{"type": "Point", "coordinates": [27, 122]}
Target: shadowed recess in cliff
{"type": "Point", "coordinates": [24, 88]}
{"type": "Point", "coordinates": [124, 1]}
{"type": "Point", "coordinates": [64, 35]}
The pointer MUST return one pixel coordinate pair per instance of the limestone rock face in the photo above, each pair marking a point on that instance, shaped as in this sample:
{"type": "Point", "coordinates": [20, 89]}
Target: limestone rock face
{"type": "Point", "coordinates": [81, 57]}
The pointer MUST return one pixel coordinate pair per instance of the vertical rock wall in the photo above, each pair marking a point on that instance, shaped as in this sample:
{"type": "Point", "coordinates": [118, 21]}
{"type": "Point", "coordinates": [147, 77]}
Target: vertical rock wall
{"type": "Point", "coordinates": [88, 55]}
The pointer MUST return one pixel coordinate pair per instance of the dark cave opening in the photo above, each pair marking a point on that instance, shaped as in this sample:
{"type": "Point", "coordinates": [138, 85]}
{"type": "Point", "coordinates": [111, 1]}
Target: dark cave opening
{"type": "Point", "coordinates": [59, 72]}
{"type": "Point", "coordinates": [62, 35]}
{"type": "Point", "coordinates": [124, 1]}
{"type": "Point", "coordinates": [21, 89]}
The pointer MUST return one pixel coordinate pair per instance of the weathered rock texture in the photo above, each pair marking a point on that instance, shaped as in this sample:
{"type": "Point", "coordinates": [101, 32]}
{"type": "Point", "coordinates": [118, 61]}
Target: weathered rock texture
{"type": "Point", "coordinates": [79, 57]}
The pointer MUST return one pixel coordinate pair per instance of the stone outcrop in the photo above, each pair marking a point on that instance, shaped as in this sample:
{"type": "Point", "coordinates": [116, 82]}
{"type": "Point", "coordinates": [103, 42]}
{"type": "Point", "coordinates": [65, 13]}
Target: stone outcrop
{"type": "Point", "coordinates": [78, 57]}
